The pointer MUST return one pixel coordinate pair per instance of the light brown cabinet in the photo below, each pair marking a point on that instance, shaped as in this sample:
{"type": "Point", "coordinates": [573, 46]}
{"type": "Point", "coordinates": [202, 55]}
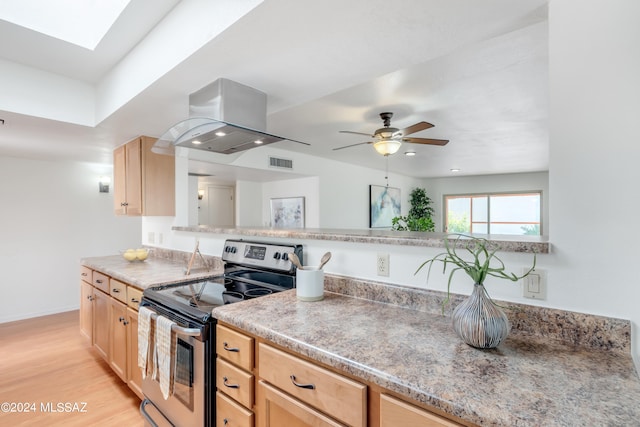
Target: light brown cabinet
{"type": "Point", "coordinates": [294, 391]}
{"type": "Point", "coordinates": [118, 338]}
{"type": "Point", "coordinates": [395, 412]}
{"type": "Point", "coordinates": [234, 378]}
{"type": "Point", "coordinates": [86, 303]}
{"type": "Point", "coordinates": [313, 387]}
{"type": "Point", "coordinates": [144, 182]}
{"type": "Point", "coordinates": [113, 321]}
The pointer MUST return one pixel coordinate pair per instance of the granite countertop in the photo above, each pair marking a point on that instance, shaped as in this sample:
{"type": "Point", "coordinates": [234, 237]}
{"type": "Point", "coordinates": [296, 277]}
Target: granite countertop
{"type": "Point", "coordinates": [154, 271]}
{"type": "Point", "coordinates": [526, 381]}
{"type": "Point", "coordinates": [507, 243]}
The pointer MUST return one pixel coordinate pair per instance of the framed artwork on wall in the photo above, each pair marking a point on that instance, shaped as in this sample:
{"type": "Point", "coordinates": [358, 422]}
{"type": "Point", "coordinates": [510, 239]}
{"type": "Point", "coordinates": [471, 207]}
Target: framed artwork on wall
{"type": "Point", "coordinates": [384, 205]}
{"type": "Point", "coordinates": [287, 212]}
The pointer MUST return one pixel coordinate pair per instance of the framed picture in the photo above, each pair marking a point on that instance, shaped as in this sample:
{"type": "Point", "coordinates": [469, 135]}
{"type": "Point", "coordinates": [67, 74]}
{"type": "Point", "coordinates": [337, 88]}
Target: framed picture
{"type": "Point", "coordinates": [287, 212]}
{"type": "Point", "coordinates": [384, 204]}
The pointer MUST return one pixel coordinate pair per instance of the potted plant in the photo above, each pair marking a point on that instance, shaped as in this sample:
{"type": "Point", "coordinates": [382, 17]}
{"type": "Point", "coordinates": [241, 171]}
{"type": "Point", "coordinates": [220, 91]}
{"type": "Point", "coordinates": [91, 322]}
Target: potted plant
{"type": "Point", "coordinates": [478, 320]}
{"type": "Point", "coordinates": [419, 217]}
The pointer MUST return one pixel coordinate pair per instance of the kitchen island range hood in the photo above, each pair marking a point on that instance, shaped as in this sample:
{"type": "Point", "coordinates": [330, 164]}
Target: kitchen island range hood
{"type": "Point", "coordinates": [224, 117]}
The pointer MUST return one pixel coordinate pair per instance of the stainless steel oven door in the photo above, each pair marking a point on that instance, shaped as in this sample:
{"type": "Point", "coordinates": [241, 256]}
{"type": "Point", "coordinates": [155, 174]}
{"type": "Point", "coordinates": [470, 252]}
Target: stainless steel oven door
{"type": "Point", "coordinates": [185, 407]}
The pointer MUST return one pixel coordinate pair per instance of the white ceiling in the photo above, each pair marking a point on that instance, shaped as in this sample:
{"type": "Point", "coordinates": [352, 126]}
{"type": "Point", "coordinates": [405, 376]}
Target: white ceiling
{"type": "Point", "coordinates": [476, 70]}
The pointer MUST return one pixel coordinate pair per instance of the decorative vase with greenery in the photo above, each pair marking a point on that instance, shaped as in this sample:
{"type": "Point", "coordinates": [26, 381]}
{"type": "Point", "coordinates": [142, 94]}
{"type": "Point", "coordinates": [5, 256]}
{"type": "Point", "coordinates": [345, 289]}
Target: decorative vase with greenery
{"type": "Point", "coordinates": [420, 213]}
{"type": "Point", "coordinates": [478, 320]}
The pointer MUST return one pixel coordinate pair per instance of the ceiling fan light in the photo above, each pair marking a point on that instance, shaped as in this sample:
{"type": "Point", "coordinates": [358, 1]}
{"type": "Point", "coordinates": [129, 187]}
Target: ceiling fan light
{"type": "Point", "coordinates": [387, 147]}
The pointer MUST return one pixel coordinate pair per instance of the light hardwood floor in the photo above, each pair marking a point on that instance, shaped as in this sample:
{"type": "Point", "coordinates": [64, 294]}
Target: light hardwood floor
{"type": "Point", "coordinates": [45, 362]}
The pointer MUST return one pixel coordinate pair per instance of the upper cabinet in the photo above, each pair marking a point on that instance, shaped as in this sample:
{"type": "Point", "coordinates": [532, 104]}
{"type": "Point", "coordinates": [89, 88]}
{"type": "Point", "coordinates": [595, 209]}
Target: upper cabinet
{"type": "Point", "coordinates": [144, 182]}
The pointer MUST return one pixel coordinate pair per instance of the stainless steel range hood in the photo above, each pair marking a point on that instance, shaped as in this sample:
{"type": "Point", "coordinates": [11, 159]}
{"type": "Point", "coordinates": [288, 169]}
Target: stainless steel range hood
{"type": "Point", "coordinates": [224, 117]}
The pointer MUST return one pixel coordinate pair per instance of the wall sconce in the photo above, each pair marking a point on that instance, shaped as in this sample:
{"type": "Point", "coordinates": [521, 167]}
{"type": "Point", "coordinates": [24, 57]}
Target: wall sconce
{"type": "Point", "coordinates": [200, 194]}
{"type": "Point", "coordinates": [103, 185]}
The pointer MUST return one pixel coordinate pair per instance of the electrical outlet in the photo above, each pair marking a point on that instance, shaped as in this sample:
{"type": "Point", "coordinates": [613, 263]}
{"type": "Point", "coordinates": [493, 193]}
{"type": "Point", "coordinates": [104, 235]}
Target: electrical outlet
{"type": "Point", "coordinates": [382, 265]}
{"type": "Point", "coordinates": [534, 286]}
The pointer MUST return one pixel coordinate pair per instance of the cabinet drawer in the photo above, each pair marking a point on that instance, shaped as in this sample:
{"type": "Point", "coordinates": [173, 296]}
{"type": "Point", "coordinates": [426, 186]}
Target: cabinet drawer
{"type": "Point", "coordinates": [331, 393]}
{"type": "Point", "coordinates": [100, 281]}
{"type": "Point", "coordinates": [85, 274]}
{"type": "Point", "coordinates": [134, 296]}
{"type": "Point", "coordinates": [234, 347]}
{"type": "Point", "coordinates": [118, 290]}
{"type": "Point", "coordinates": [230, 414]}
{"type": "Point", "coordinates": [395, 412]}
{"type": "Point", "coordinates": [234, 382]}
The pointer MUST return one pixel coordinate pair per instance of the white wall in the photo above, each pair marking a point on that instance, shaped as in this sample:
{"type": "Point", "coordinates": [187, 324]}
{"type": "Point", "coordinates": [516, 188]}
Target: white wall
{"type": "Point", "coordinates": [595, 150]}
{"type": "Point", "coordinates": [52, 215]}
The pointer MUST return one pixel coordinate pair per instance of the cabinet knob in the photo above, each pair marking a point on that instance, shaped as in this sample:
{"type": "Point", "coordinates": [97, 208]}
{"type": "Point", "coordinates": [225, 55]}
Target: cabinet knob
{"type": "Point", "coordinates": [225, 421]}
{"type": "Point", "coordinates": [90, 297]}
{"type": "Point", "coordinates": [125, 323]}
{"type": "Point", "coordinates": [120, 319]}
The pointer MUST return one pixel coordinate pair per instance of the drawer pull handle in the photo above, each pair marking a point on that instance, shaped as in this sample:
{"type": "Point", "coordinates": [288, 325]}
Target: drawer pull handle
{"type": "Point", "coordinates": [84, 274]}
{"type": "Point", "coordinates": [116, 290]}
{"type": "Point", "coordinates": [135, 301]}
{"type": "Point", "coordinates": [224, 381]}
{"type": "Point", "coordinates": [307, 386]}
{"type": "Point", "coordinates": [98, 280]}
{"type": "Point", "coordinates": [231, 349]}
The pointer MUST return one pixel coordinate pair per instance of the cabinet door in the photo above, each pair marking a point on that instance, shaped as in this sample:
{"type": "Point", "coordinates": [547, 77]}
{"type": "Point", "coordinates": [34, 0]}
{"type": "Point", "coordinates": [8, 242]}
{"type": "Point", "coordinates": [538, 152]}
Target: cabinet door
{"type": "Point", "coordinates": [278, 409]}
{"type": "Point", "coordinates": [118, 338]}
{"type": "Point", "coordinates": [101, 323]}
{"type": "Point", "coordinates": [134, 374]}
{"type": "Point", "coordinates": [395, 412]}
{"type": "Point", "coordinates": [133, 172]}
{"type": "Point", "coordinates": [119, 181]}
{"type": "Point", "coordinates": [86, 309]}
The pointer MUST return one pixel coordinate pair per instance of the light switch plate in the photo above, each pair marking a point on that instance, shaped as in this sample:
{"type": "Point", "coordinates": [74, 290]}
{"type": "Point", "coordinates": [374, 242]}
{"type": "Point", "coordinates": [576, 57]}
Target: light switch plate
{"type": "Point", "coordinates": [534, 286]}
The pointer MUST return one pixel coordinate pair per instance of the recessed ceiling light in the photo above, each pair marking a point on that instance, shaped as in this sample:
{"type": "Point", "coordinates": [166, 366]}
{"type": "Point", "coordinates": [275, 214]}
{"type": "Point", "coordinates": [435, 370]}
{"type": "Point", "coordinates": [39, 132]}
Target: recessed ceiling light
{"type": "Point", "coordinates": [410, 153]}
{"type": "Point", "coordinates": [220, 133]}
{"type": "Point", "coordinates": [454, 170]}
{"type": "Point", "coordinates": [196, 142]}
{"type": "Point", "coordinates": [257, 141]}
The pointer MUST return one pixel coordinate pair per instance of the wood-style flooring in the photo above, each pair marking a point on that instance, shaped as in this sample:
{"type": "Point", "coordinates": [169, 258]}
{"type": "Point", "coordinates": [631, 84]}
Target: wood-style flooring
{"type": "Point", "coordinates": [48, 368]}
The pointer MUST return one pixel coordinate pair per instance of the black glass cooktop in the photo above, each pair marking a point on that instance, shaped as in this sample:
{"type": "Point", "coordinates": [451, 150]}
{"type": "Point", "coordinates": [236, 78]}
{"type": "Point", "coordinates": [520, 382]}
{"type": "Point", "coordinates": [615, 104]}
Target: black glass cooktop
{"type": "Point", "coordinates": [199, 298]}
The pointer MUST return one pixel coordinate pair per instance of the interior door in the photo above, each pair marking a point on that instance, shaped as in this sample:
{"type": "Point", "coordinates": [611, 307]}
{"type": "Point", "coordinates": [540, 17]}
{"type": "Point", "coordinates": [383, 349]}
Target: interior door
{"type": "Point", "coordinates": [220, 206]}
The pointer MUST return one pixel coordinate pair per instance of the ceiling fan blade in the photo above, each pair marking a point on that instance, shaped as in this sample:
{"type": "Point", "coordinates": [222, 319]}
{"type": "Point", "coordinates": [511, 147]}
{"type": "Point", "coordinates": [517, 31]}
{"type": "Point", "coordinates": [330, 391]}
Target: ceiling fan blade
{"type": "Point", "coordinates": [352, 145]}
{"type": "Point", "coordinates": [427, 141]}
{"type": "Point", "coordinates": [415, 128]}
{"type": "Point", "coordinates": [356, 133]}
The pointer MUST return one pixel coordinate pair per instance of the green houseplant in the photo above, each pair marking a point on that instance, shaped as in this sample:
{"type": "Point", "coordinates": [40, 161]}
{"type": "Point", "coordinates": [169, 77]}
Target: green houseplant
{"type": "Point", "coordinates": [420, 213]}
{"type": "Point", "coordinates": [478, 321]}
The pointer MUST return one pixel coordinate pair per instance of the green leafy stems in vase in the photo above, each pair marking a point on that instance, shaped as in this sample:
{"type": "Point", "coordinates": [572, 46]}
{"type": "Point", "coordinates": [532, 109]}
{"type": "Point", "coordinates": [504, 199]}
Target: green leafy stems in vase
{"type": "Point", "coordinates": [478, 320]}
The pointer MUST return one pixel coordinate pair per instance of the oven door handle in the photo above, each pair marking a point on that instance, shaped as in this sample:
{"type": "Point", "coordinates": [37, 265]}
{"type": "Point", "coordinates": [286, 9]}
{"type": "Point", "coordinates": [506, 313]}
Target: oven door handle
{"type": "Point", "coordinates": [190, 332]}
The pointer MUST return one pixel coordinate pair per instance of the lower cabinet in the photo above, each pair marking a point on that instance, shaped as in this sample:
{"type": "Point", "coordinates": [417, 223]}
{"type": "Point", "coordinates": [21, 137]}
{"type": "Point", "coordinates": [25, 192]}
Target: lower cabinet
{"type": "Point", "coordinates": [112, 320]}
{"type": "Point", "coordinates": [101, 302]}
{"type": "Point", "coordinates": [292, 391]}
{"type": "Point", "coordinates": [118, 338]}
{"type": "Point", "coordinates": [395, 412]}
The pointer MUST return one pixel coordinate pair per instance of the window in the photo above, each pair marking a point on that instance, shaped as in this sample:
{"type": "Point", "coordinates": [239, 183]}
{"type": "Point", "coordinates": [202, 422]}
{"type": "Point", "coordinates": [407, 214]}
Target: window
{"type": "Point", "coordinates": [497, 213]}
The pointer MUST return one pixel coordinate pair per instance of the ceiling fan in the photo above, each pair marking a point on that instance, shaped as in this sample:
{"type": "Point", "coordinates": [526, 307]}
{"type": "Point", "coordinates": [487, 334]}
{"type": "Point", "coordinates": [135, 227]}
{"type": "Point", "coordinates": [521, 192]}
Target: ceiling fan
{"type": "Point", "coordinates": [387, 140]}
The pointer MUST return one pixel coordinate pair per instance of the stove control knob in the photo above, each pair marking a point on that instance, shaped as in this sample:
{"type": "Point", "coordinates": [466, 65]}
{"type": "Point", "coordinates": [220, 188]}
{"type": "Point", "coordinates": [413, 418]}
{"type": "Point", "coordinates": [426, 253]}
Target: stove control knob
{"type": "Point", "coordinates": [285, 256]}
{"type": "Point", "coordinates": [233, 249]}
{"type": "Point", "coordinates": [227, 249]}
{"type": "Point", "coordinates": [276, 255]}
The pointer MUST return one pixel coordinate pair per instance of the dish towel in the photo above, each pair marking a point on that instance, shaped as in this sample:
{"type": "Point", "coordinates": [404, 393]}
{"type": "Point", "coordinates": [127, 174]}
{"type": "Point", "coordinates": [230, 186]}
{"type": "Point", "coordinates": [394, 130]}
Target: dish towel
{"type": "Point", "coordinates": [145, 341]}
{"type": "Point", "coordinates": [165, 353]}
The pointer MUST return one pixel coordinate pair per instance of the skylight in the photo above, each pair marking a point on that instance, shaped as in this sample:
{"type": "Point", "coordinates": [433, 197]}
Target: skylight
{"type": "Point", "coordinates": [80, 22]}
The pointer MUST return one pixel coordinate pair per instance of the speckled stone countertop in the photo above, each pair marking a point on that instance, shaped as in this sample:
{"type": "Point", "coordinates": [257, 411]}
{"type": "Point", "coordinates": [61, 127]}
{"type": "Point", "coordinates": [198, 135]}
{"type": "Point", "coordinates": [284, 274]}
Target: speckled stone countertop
{"type": "Point", "coordinates": [534, 378]}
{"type": "Point", "coordinates": [163, 267]}
{"type": "Point", "coordinates": [507, 243]}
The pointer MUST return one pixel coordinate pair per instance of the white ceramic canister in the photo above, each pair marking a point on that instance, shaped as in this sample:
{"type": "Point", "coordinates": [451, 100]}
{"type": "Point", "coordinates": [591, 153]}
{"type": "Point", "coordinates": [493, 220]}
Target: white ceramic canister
{"type": "Point", "coordinates": [310, 284]}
